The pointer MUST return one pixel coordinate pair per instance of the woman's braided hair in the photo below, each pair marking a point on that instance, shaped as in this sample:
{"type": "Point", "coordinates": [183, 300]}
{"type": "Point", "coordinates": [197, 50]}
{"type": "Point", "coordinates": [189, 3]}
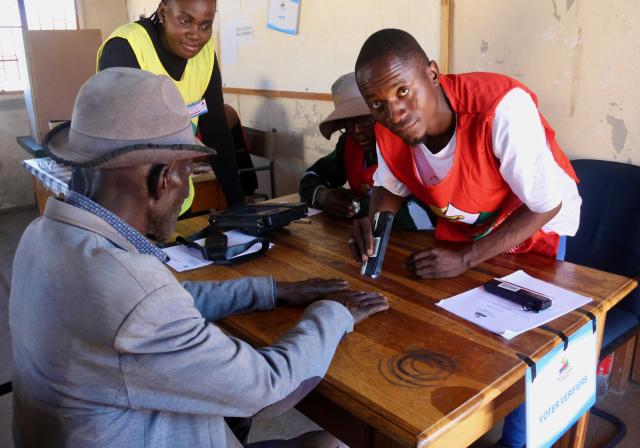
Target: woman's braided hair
{"type": "Point", "coordinates": [154, 17]}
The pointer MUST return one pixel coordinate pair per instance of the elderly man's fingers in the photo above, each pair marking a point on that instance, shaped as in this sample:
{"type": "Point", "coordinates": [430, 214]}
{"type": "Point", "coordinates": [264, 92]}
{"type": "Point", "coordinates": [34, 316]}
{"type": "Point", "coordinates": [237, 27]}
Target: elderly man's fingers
{"type": "Point", "coordinates": [364, 312]}
{"type": "Point", "coordinates": [377, 299]}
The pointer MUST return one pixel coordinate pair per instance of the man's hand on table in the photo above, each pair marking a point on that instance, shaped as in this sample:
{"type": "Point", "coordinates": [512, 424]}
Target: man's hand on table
{"type": "Point", "coordinates": [360, 304]}
{"type": "Point", "coordinates": [437, 262]}
{"type": "Point", "coordinates": [336, 201]}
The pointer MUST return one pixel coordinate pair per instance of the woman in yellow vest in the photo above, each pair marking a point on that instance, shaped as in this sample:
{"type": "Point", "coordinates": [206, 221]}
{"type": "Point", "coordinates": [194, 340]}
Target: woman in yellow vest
{"type": "Point", "coordinates": [176, 41]}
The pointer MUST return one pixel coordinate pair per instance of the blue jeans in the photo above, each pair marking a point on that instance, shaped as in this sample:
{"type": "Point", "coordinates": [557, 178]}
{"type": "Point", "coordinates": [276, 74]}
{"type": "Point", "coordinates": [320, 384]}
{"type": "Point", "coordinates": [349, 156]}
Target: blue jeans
{"type": "Point", "coordinates": [514, 432]}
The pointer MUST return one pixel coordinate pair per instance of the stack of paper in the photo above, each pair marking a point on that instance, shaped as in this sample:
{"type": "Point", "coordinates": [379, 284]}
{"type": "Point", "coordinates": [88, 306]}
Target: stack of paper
{"type": "Point", "coordinates": [507, 318]}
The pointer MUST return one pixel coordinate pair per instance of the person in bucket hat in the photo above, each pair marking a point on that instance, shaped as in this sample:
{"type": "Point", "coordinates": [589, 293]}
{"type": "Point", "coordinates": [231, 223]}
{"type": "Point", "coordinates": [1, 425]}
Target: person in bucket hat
{"type": "Point", "coordinates": [354, 161]}
{"type": "Point", "coordinates": [109, 348]}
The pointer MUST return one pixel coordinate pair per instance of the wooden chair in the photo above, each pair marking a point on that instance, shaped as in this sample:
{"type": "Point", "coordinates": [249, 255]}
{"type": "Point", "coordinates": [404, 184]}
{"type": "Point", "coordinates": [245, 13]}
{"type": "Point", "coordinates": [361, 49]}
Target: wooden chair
{"type": "Point", "coordinates": [261, 146]}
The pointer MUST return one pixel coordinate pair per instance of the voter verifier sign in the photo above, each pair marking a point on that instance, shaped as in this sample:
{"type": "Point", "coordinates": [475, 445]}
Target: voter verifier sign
{"type": "Point", "coordinates": [563, 388]}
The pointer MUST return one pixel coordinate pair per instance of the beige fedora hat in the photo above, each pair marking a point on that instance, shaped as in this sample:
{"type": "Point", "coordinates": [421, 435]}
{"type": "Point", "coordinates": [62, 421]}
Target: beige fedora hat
{"type": "Point", "coordinates": [348, 104]}
{"type": "Point", "coordinates": [125, 117]}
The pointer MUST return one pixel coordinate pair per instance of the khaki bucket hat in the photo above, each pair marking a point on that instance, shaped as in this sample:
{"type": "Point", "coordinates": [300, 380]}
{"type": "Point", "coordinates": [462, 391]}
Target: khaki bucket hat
{"type": "Point", "coordinates": [125, 117]}
{"type": "Point", "coordinates": [348, 104]}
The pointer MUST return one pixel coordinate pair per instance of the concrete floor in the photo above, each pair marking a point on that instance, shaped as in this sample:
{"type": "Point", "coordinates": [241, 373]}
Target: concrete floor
{"type": "Point", "coordinates": [292, 423]}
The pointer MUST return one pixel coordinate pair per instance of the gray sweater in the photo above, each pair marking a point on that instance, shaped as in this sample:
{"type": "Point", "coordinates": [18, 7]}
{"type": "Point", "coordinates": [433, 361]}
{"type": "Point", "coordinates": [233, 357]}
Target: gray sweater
{"type": "Point", "coordinates": [111, 351]}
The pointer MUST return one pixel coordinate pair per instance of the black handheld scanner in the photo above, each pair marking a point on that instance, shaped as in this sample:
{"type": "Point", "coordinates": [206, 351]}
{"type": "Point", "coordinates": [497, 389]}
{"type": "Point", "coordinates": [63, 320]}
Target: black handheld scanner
{"type": "Point", "coordinates": [530, 300]}
{"type": "Point", "coordinates": [382, 223]}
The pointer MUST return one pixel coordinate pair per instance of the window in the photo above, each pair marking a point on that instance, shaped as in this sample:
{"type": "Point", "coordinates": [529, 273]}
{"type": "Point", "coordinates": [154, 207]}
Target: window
{"type": "Point", "coordinates": [10, 42]}
{"type": "Point", "coordinates": [41, 15]}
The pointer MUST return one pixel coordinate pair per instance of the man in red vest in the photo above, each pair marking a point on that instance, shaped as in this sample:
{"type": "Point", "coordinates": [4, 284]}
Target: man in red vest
{"type": "Point", "coordinates": [474, 147]}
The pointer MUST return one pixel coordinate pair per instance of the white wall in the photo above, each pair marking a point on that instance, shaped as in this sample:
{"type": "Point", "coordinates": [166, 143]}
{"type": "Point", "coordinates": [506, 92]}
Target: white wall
{"type": "Point", "coordinates": [581, 57]}
{"type": "Point", "coordinates": [330, 35]}
{"type": "Point", "coordinates": [103, 15]}
{"type": "Point", "coordinates": [15, 183]}
{"type": "Point", "coordinates": [137, 8]}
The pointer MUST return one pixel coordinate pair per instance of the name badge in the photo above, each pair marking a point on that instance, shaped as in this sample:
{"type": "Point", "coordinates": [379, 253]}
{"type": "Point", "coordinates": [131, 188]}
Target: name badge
{"type": "Point", "coordinates": [198, 108]}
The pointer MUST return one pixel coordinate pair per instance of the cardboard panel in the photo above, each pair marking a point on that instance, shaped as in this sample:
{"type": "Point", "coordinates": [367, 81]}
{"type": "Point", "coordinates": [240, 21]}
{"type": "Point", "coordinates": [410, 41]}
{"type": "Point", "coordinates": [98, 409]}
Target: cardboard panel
{"type": "Point", "coordinates": [58, 63]}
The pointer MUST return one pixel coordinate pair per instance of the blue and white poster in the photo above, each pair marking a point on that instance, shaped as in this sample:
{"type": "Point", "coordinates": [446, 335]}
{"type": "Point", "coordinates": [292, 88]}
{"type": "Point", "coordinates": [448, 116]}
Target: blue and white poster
{"type": "Point", "coordinates": [284, 16]}
{"type": "Point", "coordinates": [563, 389]}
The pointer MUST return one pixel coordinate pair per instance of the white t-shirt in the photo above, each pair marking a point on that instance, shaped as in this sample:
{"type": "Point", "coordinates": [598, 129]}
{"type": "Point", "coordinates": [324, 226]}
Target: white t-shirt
{"type": "Point", "coordinates": [526, 164]}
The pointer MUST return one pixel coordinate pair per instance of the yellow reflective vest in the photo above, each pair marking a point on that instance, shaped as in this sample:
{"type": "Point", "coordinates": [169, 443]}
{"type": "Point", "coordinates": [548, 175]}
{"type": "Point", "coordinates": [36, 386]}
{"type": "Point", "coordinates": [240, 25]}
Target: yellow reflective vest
{"type": "Point", "coordinates": [195, 78]}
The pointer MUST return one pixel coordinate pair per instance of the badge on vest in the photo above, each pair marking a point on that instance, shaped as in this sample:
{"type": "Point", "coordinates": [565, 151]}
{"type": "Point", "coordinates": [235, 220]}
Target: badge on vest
{"type": "Point", "coordinates": [198, 108]}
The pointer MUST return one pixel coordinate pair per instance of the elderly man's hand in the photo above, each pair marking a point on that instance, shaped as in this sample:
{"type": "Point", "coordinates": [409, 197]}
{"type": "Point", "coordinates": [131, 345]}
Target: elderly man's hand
{"type": "Point", "coordinates": [437, 262]}
{"type": "Point", "coordinates": [362, 304]}
{"type": "Point", "coordinates": [301, 294]}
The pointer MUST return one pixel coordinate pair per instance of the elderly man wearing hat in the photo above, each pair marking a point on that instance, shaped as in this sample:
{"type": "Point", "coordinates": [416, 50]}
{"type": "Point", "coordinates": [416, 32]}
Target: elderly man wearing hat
{"type": "Point", "coordinates": [353, 161]}
{"type": "Point", "coordinates": [109, 349]}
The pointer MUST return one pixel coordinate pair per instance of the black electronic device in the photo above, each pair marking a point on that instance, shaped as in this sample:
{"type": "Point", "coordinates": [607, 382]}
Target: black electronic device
{"type": "Point", "coordinates": [215, 247]}
{"type": "Point", "coordinates": [258, 219]}
{"type": "Point", "coordinates": [215, 239]}
{"type": "Point", "coordinates": [530, 300]}
{"type": "Point", "coordinates": [382, 223]}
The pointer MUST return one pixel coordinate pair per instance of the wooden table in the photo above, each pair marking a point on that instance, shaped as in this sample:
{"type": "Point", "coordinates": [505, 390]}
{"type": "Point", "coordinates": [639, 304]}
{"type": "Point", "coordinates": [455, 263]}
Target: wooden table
{"type": "Point", "coordinates": [459, 381]}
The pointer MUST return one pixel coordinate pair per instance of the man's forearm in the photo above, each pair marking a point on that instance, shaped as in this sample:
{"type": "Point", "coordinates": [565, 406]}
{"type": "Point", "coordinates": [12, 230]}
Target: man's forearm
{"type": "Point", "coordinates": [308, 185]}
{"type": "Point", "coordinates": [383, 200]}
{"type": "Point", "coordinates": [519, 226]}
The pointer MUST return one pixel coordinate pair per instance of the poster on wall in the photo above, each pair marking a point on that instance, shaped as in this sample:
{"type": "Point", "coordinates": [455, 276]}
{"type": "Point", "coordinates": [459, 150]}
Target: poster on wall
{"type": "Point", "coordinates": [284, 16]}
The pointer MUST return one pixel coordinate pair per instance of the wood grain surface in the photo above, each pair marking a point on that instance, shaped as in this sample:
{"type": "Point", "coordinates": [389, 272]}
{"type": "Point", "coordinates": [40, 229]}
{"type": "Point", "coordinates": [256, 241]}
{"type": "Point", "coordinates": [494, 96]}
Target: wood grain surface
{"type": "Point", "coordinates": [415, 375]}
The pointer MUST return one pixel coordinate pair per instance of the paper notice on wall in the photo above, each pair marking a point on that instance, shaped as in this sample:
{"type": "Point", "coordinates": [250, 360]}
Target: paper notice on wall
{"type": "Point", "coordinates": [229, 42]}
{"type": "Point", "coordinates": [284, 16]}
{"type": "Point", "coordinates": [244, 30]}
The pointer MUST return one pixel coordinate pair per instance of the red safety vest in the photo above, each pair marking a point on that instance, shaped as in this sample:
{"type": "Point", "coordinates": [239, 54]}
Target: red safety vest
{"type": "Point", "coordinates": [359, 176]}
{"type": "Point", "coordinates": [473, 199]}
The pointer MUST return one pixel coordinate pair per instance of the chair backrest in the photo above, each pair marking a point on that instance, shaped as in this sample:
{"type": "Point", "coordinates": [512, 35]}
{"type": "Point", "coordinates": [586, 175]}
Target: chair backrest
{"type": "Point", "coordinates": [609, 235]}
{"type": "Point", "coordinates": [6, 388]}
{"type": "Point", "coordinates": [261, 146]}
{"type": "Point", "coordinates": [260, 143]}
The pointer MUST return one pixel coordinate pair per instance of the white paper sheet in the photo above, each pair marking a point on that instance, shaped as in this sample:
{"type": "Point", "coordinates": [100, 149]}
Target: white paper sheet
{"type": "Point", "coordinates": [507, 318]}
{"type": "Point", "coordinates": [313, 211]}
{"type": "Point", "coordinates": [185, 258]}
{"type": "Point", "coordinates": [284, 16]}
{"type": "Point", "coordinates": [229, 42]}
{"type": "Point", "coordinates": [244, 30]}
